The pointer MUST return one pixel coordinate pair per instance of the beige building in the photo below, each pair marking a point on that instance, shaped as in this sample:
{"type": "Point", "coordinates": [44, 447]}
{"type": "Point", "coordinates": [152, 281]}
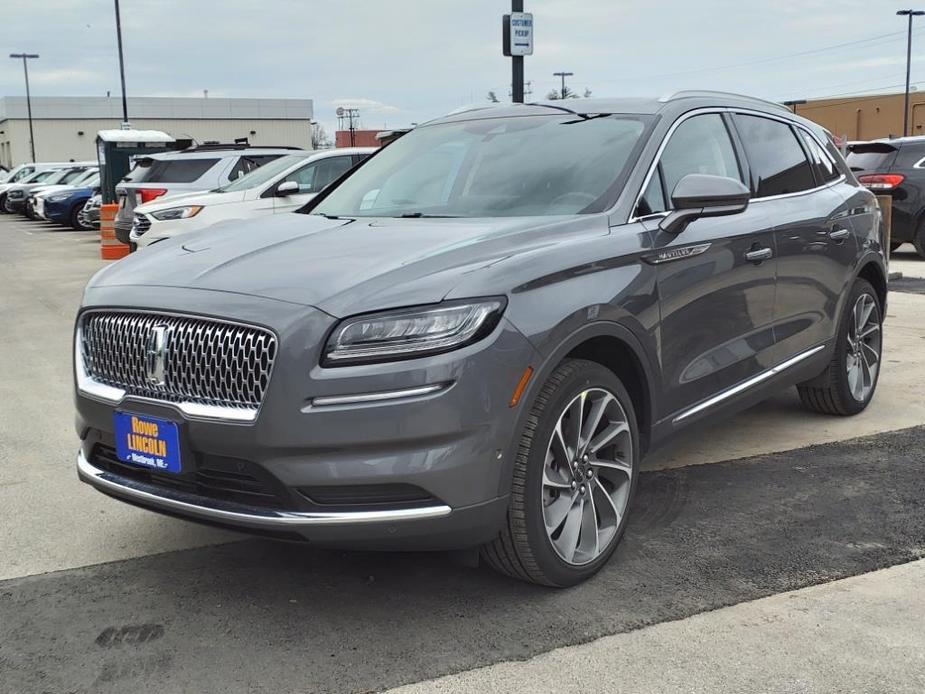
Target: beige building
{"type": "Point", "coordinates": [866, 117]}
{"type": "Point", "coordinates": [65, 127]}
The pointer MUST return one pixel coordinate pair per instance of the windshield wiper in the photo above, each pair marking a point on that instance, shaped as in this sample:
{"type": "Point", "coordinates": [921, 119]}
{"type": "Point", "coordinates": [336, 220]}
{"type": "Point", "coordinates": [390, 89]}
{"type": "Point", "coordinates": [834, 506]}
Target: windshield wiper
{"type": "Point", "coordinates": [326, 216]}
{"type": "Point", "coordinates": [420, 215]}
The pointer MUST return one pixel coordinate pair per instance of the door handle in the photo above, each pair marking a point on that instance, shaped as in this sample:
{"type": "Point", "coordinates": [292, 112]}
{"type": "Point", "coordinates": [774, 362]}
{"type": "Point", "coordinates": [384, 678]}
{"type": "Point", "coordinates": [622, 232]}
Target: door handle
{"type": "Point", "coordinates": [838, 234]}
{"type": "Point", "coordinates": [759, 254]}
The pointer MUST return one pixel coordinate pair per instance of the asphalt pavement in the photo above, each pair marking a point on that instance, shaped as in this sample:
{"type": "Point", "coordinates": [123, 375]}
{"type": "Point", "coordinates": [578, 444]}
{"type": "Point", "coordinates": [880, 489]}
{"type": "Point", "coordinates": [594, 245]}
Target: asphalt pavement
{"type": "Point", "coordinates": [96, 596]}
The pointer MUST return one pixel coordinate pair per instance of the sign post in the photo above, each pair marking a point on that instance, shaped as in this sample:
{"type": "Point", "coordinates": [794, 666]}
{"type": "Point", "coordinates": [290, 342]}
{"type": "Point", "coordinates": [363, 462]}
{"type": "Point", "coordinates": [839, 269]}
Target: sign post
{"type": "Point", "coordinates": [517, 41]}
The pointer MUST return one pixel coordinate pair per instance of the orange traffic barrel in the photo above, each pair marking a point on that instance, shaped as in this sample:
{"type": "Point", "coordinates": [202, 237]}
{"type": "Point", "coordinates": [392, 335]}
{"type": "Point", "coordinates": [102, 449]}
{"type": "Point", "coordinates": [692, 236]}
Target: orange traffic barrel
{"type": "Point", "coordinates": [110, 248]}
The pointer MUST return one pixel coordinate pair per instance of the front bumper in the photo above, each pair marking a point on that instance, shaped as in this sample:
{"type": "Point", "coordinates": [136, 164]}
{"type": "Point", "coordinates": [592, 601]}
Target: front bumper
{"type": "Point", "coordinates": [15, 205]}
{"type": "Point", "coordinates": [452, 445]}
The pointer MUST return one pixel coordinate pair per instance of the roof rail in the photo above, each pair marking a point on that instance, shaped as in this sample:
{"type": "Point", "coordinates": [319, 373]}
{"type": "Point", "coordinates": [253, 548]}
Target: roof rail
{"type": "Point", "coordinates": [213, 146]}
{"type": "Point", "coordinates": [694, 93]}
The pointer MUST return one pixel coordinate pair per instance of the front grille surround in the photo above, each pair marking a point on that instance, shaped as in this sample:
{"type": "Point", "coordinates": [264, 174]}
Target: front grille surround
{"type": "Point", "coordinates": [211, 367]}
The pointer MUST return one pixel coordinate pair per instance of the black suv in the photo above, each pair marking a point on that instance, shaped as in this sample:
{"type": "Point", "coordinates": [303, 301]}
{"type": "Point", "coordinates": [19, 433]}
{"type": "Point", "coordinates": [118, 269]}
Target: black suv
{"type": "Point", "coordinates": [896, 168]}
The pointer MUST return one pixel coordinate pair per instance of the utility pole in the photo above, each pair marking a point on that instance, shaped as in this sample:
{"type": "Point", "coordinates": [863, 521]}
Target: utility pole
{"type": "Point", "coordinates": [25, 68]}
{"type": "Point", "coordinates": [125, 124]}
{"type": "Point", "coordinates": [910, 14]}
{"type": "Point", "coordinates": [563, 75]}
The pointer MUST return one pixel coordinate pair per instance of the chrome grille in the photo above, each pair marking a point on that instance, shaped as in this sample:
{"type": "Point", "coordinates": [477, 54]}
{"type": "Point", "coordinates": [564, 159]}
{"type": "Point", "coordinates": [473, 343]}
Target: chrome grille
{"type": "Point", "coordinates": [205, 361]}
{"type": "Point", "coordinates": [141, 225]}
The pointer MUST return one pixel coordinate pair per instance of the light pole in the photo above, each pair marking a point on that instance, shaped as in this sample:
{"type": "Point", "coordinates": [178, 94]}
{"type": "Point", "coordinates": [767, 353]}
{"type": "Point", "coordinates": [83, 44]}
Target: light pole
{"type": "Point", "coordinates": [910, 14]}
{"type": "Point", "coordinates": [563, 75]}
{"type": "Point", "coordinates": [121, 68]}
{"type": "Point", "coordinates": [25, 68]}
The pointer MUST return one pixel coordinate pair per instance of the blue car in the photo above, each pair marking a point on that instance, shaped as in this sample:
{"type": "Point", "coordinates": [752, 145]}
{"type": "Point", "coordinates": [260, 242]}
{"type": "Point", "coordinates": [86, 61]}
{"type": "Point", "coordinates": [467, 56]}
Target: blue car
{"type": "Point", "coordinates": [65, 206]}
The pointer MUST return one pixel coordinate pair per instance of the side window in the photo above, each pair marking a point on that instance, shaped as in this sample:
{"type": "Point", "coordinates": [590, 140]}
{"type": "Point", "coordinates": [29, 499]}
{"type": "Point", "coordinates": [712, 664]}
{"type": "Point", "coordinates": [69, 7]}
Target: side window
{"type": "Point", "coordinates": [330, 170]}
{"type": "Point", "coordinates": [822, 163]}
{"type": "Point", "coordinates": [699, 145]}
{"type": "Point", "coordinates": [315, 176]}
{"type": "Point", "coordinates": [777, 160]}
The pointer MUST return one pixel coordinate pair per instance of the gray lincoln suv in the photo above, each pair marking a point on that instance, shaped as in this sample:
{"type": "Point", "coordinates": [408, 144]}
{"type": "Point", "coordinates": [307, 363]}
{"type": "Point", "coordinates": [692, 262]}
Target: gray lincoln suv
{"type": "Point", "coordinates": [471, 339]}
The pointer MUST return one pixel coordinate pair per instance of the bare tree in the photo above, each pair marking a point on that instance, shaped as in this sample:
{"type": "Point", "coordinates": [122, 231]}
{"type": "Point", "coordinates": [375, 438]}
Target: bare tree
{"type": "Point", "coordinates": [493, 98]}
{"type": "Point", "coordinates": [320, 139]}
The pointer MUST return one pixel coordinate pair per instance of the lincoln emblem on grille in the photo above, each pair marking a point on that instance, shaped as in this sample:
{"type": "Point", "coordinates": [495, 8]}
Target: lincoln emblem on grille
{"type": "Point", "coordinates": [156, 355]}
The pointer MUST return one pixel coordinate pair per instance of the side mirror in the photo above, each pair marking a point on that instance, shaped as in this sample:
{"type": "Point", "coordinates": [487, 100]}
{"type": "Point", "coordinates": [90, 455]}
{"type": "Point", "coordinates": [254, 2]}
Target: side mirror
{"type": "Point", "coordinates": [287, 188]}
{"type": "Point", "coordinates": [702, 195]}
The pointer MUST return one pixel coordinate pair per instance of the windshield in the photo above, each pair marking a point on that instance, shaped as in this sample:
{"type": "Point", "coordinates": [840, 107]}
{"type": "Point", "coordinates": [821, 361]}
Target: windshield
{"type": "Point", "coordinates": [499, 167]}
{"type": "Point", "coordinates": [84, 176]}
{"type": "Point", "coordinates": [261, 175]}
{"type": "Point", "coordinates": [39, 176]}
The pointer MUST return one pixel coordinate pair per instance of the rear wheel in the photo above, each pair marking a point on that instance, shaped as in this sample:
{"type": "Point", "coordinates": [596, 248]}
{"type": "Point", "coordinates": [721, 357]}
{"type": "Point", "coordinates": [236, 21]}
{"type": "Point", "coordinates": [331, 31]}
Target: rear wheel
{"type": "Point", "coordinates": [574, 477]}
{"type": "Point", "coordinates": [3, 203]}
{"type": "Point", "coordinates": [919, 240]}
{"type": "Point", "coordinates": [849, 381]}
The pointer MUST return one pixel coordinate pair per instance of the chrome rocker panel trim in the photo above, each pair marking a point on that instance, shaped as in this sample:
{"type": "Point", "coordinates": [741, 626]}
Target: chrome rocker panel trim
{"type": "Point", "coordinates": [208, 509]}
{"type": "Point", "coordinates": [745, 385]}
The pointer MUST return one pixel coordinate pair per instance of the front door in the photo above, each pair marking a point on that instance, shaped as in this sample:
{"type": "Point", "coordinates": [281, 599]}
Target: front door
{"type": "Point", "coordinates": [716, 279]}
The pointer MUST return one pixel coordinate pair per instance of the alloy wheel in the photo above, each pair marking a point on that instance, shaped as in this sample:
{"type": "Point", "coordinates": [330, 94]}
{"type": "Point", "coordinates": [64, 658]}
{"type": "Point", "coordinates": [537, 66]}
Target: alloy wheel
{"type": "Point", "coordinates": [587, 476]}
{"type": "Point", "coordinates": [864, 344]}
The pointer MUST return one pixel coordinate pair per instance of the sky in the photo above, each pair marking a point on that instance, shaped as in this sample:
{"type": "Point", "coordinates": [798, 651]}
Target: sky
{"type": "Point", "coordinates": [406, 61]}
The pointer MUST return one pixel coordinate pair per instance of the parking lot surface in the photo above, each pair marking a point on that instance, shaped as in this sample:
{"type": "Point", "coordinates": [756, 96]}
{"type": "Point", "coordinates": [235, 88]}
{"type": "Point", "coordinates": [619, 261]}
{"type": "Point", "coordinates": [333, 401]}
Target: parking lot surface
{"type": "Point", "coordinates": [97, 596]}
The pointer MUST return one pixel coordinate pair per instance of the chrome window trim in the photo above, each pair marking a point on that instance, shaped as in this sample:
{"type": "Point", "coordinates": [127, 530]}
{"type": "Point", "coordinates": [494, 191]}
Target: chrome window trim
{"type": "Point", "coordinates": [733, 110]}
{"type": "Point", "coordinates": [920, 164]}
{"type": "Point", "coordinates": [111, 395]}
{"type": "Point", "coordinates": [745, 385]}
{"type": "Point", "coordinates": [209, 509]}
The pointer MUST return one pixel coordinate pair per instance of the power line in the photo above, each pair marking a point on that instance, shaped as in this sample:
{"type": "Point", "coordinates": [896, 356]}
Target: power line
{"type": "Point", "coordinates": [760, 61]}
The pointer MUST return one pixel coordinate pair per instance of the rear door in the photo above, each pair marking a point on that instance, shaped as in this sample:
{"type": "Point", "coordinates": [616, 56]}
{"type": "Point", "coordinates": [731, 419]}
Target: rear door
{"type": "Point", "coordinates": [715, 279]}
{"type": "Point", "coordinates": [794, 182]}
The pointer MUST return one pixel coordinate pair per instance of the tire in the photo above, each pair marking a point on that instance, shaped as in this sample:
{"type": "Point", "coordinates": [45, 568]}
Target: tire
{"type": "Point", "coordinates": [76, 218]}
{"type": "Point", "coordinates": [29, 212]}
{"type": "Point", "coordinates": [919, 240]}
{"type": "Point", "coordinates": [3, 203]}
{"type": "Point", "coordinates": [524, 549]}
{"type": "Point", "coordinates": [834, 391]}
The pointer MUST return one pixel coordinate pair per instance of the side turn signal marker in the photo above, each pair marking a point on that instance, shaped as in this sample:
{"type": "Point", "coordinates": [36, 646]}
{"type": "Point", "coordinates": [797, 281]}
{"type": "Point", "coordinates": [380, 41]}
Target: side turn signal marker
{"type": "Point", "coordinates": [521, 386]}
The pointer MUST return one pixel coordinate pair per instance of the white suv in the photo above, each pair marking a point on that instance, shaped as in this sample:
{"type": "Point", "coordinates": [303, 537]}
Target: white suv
{"type": "Point", "coordinates": [280, 186]}
{"type": "Point", "coordinates": [200, 168]}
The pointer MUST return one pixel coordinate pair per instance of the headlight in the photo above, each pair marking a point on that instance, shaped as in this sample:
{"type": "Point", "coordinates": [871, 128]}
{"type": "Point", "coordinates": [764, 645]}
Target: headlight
{"type": "Point", "coordinates": [177, 213]}
{"type": "Point", "coordinates": [57, 198]}
{"type": "Point", "coordinates": [413, 332]}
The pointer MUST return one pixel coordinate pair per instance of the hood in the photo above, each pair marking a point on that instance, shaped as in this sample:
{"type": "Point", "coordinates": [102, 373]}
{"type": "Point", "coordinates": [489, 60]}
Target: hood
{"type": "Point", "coordinates": [70, 190]}
{"type": "Point", "coordinates": [200, 198]}
{"type": "Point", "coordinates": [341, 266]}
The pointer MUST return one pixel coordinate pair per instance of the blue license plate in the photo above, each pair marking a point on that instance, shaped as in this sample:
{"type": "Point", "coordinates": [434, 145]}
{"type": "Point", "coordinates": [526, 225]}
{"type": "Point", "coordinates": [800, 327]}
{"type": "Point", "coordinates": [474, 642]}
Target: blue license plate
{"type": "Point", "coordinates": [147, 442]}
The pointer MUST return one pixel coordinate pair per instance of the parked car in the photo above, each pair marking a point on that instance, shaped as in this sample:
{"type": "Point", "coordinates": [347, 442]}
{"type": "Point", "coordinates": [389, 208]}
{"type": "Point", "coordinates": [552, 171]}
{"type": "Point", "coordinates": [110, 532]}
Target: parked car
{"type": "Point", "coordinates": [66, 205]}
{"type": "Point", "coordinates": [280, 186]}
{"type": "Point", "coordinates": [473, 338]}
{"type": "Point", "coordinates": [88, 175]}
{"type": "Point", "coordinates": [192, 170]}
{"type": "Point", "coordinates": [896, 168]}
{"type": "Point", "coordinates": [17, 194]}
{"type": "Point", "coordinates": [20, 173]}
{"type": "Point", "coordinates": [90, 215]}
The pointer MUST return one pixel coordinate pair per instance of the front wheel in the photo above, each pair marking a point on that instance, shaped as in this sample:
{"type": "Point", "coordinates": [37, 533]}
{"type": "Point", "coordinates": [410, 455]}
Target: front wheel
{"type": "Point", "coordinates": [847, 385]}
{"type": "Point", "coordinates": [575, 474]}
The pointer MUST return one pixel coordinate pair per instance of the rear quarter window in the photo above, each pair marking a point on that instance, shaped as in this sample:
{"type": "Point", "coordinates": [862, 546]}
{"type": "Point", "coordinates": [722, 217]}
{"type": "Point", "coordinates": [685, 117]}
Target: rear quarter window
{"type": "Point", "coordinates": [178, 170]}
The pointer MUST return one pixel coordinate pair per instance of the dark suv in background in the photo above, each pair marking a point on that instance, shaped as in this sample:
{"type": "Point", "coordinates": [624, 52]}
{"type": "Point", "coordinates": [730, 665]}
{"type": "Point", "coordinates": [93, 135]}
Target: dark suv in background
{"type": "Point", "coordinates": [896, 168]}
{"type": "Point", "coordinates": [472, 338]}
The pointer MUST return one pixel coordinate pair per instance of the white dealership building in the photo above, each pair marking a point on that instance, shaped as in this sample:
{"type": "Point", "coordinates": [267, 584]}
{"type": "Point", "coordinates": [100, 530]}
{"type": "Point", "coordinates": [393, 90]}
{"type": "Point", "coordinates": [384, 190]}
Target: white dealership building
{"type": "Point", "coordinates": [65, 127]}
